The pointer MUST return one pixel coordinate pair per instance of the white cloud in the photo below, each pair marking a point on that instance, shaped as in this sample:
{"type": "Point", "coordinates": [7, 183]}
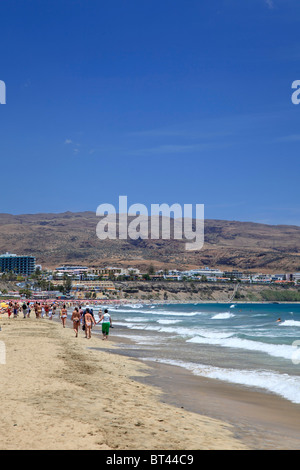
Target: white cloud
{"type": "Point", "coordinates": [68, 141]}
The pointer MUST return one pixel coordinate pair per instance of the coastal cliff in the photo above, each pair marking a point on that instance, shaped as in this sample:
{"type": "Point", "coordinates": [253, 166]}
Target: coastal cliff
{"type": "Point", "coordinates": [204, 291]}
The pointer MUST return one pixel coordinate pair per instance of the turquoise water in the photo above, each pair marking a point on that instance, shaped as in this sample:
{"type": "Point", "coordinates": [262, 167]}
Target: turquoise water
{"type": "Point", "coordinates": [237, 343]}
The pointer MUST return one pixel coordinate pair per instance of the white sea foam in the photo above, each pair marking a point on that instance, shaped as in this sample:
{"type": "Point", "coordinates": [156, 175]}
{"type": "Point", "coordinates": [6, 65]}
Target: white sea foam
{"type": "Point", "coordinates": [168, 322]}
{"type": "Point", "coordinates": [136, 319]}
{"type": "Point", "coordinates": [223, 316]}
{"type": "Point", "coordinates": [171, 313]}
{"type": "Point", "coordinates": [209, 335]}
{"type": "Point", "coordinates": [155, 310]}
{"type": "Point", "coordinates": [275, 350]}
{"type": "Point", "coordinates": [280, 384]}
{"type": "Point", "coordinates": [290, 323]}
{"type": "Point", "coordinates": [140, 339]}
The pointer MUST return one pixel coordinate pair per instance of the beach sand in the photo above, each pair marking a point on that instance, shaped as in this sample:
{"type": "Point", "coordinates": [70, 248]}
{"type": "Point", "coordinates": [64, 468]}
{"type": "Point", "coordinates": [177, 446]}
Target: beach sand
{"type": "Point", "coordinates": [62, 392]}
{"type": "Point", "coordinates": [59, 392]}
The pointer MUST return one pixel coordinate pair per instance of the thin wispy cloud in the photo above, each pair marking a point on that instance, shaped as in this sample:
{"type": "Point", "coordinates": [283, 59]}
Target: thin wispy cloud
{"type": "Point", "coordinates": [201, 136]}
{"type": "Point", "coordinates": [289, 138]}
{"type": "Point", "coordinates": [270, 4]}
{"type": "Point", "coordinates": [183, 132]}
{"type": "Point", "coordinates": [211, 128]}
{"type": "Point", "coordinates": [74, 145]}
{"type": "Point", "coordinates": [178, 149]}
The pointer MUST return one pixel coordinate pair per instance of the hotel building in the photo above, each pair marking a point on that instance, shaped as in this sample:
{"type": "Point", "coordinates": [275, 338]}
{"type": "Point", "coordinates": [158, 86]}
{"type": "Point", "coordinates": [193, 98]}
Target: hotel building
{"type": "Point", "coordinates": [24, 265]}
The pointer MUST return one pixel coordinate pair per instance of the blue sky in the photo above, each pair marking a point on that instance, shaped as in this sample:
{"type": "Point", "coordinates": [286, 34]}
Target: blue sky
{"type": "Point", "coordinates": [170, 101]}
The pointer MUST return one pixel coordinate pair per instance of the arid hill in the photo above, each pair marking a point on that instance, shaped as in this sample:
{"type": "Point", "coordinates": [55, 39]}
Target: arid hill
{"type": "Point", "coordinates": [70, 238]}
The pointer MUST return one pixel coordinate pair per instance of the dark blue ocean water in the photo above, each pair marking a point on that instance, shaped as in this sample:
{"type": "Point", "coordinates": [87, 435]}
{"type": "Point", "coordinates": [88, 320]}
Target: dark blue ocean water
{"type": "Point", "coordinates": [238, 343]}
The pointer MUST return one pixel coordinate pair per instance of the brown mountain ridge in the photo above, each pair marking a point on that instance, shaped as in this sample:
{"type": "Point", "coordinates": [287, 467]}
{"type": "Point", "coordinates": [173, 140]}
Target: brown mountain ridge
{"type": "Point", "coordinates": [70, 238]}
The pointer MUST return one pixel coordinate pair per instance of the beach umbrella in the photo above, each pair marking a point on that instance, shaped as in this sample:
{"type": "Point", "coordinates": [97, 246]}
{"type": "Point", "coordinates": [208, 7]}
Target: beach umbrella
{"type": "Point", "coordinates": [3, 305]}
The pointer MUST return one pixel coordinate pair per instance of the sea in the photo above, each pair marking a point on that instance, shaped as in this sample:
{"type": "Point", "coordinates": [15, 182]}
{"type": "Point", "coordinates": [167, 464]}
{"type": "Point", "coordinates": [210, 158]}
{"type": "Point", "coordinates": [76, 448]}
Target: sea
{"type": "Point", "coordinates": [237, 343]}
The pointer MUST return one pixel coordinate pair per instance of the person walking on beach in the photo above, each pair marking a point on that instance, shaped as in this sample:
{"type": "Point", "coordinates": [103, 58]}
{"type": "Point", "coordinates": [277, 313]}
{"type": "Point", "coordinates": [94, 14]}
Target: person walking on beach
{"type": "Point", "coordinates": [63, 315]}
{"type": "Point", "coordinates": [54, 309]}
{"type": "Point", "coordinates": [46, 309]}
{"type": "Point", "coordinates": [106, 324]}
{"type": "Point", "coordinates": [87, 310]}
{"type": "Point", "coordinates": [15, 310]}
{"type": "Point", "coordinates": [9, 310]}
{"type": "Point", "coordinates": [39, 310]}
{"type": "Point", "coordinates": [76, 317]}
{"type": "Point", "coordinates": [24, 308]}
{"type": "Point", "coordinates": [50, 312]}
{"type": "Point", "coordinates": [31, 309]}
{"type": "Point", "coordinates": [89, 321]}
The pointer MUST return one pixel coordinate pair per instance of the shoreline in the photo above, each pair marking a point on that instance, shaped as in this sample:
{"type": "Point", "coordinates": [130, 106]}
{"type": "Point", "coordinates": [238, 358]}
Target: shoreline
{"type": "Point", "coordinates": [262, 420]}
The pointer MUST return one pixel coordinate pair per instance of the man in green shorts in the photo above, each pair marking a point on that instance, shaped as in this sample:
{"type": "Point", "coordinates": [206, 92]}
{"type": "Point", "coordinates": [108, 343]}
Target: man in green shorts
{"type": "Point", "coordinates": [106, 323]}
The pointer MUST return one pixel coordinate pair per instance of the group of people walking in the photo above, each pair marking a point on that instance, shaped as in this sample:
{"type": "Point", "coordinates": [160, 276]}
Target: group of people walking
{"type": "Point", "coordinates": [40, 309]}
{"type": "Point", "coordinates": [86, 317]}
{"type": "Point", "coordinates": [80, 316]}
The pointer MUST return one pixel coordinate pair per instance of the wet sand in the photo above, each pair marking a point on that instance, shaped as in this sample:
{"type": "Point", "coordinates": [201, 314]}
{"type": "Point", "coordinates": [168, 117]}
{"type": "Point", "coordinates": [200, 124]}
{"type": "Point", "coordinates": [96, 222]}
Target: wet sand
{"type": "Point", "coordinates": [263, 421]}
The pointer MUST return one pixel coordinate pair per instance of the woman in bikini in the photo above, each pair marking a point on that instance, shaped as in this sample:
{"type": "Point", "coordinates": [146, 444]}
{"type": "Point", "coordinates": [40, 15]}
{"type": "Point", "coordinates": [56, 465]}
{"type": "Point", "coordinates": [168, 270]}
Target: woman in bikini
{"type": "Point", "coordinates": [88, 320]}
{"type": "Point", "coordinates": [63, 315]}
{"type": "Point", "coordinates": [76, 317]}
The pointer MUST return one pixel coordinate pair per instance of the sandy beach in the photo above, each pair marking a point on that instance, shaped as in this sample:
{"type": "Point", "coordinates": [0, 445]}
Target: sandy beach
{"type": "Point", "coordinates": [62, 392]}
{"type": "Point", "coordinates": [58, 392]}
